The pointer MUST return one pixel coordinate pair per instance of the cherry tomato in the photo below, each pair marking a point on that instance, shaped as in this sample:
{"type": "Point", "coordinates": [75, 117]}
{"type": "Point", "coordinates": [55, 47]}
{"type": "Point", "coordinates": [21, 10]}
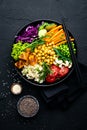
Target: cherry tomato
{"type": "Point", "coordinates": [63, 71]}
{"type": "Point", "coordinates": [53, 75]}
{"type": "Point", "coordinates": [56, 73]}
{"type": "Point", "coordinates": [55, 70]}
{"type": "Point", "coordinates": [50, 78]}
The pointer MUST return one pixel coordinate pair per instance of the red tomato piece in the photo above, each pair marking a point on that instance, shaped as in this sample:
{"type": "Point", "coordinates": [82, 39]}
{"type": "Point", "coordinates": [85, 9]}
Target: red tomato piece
{"type": "Point", "coordinates": [53, 75]}
{"type": "Point", "coordinates": [50, 78]}
{"type": "Point", "coordinates": [56, 73]}
{"type": "Point", "coordinates": [55, 70]}
{"type": "Point", "coordinates": [63, 71]}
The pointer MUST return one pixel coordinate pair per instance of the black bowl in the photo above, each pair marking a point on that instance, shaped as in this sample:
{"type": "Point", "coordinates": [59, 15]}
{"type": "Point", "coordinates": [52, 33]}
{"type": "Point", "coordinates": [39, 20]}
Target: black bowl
{"type": "Point", "coordinates": [44, 84]}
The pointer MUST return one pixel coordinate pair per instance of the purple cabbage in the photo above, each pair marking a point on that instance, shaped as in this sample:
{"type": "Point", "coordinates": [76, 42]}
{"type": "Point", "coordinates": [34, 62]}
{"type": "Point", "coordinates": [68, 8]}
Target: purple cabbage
{"type": "Point", "coordinates": [28, 35]}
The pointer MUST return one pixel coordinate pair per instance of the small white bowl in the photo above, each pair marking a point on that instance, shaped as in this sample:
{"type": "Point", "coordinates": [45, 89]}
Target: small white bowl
{"type": "Point", "coordinates": [16, 88]}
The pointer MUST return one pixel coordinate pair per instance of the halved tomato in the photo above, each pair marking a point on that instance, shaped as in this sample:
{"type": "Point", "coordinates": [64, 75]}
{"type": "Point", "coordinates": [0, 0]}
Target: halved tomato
{"type": "Point", "coordinates": [53, 75]}
{"type": "Point", "coordinates": [63, 71]}
{"type": "Point", "coordinates": [56, 72]}
{"type": "Point", "coordinates": [50, 78]}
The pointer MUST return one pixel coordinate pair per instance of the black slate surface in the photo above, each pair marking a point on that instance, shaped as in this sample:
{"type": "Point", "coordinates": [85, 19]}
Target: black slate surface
{"type": "Point", "coordinates": [13, 16]}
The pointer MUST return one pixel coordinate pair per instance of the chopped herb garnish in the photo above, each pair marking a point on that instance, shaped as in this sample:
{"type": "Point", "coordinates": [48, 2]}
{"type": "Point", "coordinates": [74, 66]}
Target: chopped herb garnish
{"type": "Point", "coordinates": [46, 70]}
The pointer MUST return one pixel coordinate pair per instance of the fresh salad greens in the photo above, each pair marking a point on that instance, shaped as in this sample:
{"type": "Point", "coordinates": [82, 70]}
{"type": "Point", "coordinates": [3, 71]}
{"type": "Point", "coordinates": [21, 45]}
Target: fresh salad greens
{"type": "Point", "coordinates": [47, 26]}
{"type": "Point", "coordinates": [43, 25]}
{"type": "Point", "coordinates": [46, 70]}
{"type": "Point", "coordinates": [17, 49]}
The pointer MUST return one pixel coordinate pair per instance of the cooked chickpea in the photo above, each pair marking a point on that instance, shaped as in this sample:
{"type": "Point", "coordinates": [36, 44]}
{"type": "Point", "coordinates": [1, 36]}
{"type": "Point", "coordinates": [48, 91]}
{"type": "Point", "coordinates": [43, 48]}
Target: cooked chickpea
{"type": "Point", "coordinates": [51, 62]}
{"type": "Point", "coordinates": [47, 44]}
{"type": "Point", "coordinates": [35, 50]}
{"type": "Point", "coordinates": [40, 63]}
{"type": "Point", "coordinates": [46, 55]}
{"type": "Point", "coordinates": [48, 60]}
{"type": "Point", "coordinates": [51, 57]}
{"type": "Point", "coordinates": [49, 51]}
{"type": "Point", "coordinates": [43, 57]}
{"type": "Point", "coordinates": [43, 54]}
{"type": "Point", "coordinates": [45, 51]}
{"type": "Point", "coordinates": [38, 58]}
{"type": "Point", "coordinates": [45, 60]}
{"type": "Point", "coordinates": [52, 53]}
{"type": "Point", "coordinates": [33, 53]}
{"type": "Point", "coordinates": [54, 56]}
{"type": "Point", "coordinates": [50, 43]}
{"type": "Point", "coordinates": [40, 51]}
{"type": "Point", "coordinates": [43, 47]}
{"type": "Point", "coordinates": [49, 47]}
{"type": "Point", "coordinates": [39, 47]}
{"type": "Point", "coordinates": [54, 46]}
{"type": "Point", "coordinates": [39, 54]}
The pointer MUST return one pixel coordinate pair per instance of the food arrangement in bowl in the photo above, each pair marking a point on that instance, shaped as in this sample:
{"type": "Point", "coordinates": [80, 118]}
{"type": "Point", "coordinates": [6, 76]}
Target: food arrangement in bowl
{"type": "Point", "coordinates": [41, 53]}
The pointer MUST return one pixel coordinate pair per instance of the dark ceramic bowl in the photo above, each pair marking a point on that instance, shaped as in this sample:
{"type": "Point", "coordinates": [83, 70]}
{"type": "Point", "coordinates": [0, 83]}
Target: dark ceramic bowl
{"type": "Point", "coordinates": [44, 84]}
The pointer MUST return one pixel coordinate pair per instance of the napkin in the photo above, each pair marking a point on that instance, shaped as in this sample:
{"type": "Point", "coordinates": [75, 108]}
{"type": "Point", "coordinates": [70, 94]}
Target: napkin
{"type": "Point", "coordinates": [49, 94]}
{"type": "Point", "coordinates": [66, 92]}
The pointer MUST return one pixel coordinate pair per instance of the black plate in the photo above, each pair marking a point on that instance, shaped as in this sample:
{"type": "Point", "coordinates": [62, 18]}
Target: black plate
{"type": "Point", "coordinates": [44, 84]}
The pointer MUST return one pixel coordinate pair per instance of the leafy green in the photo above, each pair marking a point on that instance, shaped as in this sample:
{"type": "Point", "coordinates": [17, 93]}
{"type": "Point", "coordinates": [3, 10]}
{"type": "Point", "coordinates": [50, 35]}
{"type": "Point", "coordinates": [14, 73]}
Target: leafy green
{"type": "Point", "coordinates": [50, 26]}
{"type": "Point", "coordinates": [35, 44]}
{"type": "Point", "coordinates": [47, 26]}
{"type": "Point", "coordinates": [43, 25]}
{"type": "Point", "coordinates": [17, 49]}
{"type": "Point", "coordinates": [46, 70]}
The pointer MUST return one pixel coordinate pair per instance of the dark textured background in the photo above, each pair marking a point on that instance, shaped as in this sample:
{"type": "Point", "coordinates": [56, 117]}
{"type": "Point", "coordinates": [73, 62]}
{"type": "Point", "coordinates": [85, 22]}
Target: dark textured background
{"type": "Point", "coordinates": [13, 16]}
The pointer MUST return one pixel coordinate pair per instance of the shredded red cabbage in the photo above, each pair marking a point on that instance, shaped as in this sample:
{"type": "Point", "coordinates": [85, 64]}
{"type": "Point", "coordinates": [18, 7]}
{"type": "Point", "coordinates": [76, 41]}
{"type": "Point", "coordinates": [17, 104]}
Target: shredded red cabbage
{"type": "Point", "coordinates": [28, 35]}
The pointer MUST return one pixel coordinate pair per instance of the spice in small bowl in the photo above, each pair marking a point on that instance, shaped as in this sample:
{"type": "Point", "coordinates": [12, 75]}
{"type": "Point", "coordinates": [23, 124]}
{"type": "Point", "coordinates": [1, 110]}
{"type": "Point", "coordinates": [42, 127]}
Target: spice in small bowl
{"type": "Point", "coordinates": [16, 88]}
{"type": "Point", "coordinates": [28, 106]}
